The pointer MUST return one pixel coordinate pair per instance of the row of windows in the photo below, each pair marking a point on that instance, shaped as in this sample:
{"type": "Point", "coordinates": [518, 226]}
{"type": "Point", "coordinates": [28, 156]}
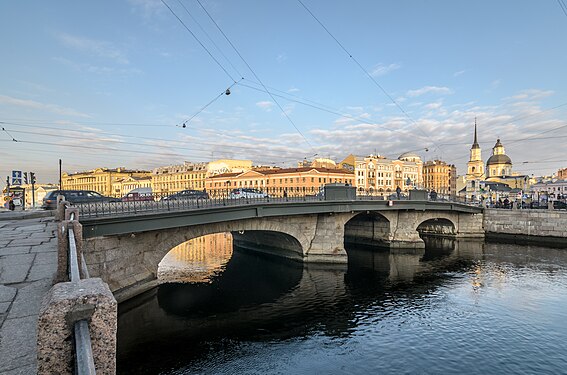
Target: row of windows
{"type": "Point", "coordinates": [280, 181]}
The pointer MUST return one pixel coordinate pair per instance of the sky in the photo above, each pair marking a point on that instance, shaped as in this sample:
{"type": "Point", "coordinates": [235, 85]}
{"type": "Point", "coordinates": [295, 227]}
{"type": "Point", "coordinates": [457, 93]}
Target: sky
{"type": "Point", "coordinates": [111, 83]}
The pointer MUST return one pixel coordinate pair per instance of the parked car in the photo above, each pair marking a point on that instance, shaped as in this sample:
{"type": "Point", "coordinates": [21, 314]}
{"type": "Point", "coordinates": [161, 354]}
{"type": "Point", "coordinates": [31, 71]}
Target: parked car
{"type": "Point", "coordinates": [186, 195]}
{"type": "Point", "coordinates": [247, 193]}
{"type": "Point", "coordinates": [75, 196]}
{"type": "Point", "coordinates": [139, 195]}
{"type": "Point", "coordinates": [559, 205]}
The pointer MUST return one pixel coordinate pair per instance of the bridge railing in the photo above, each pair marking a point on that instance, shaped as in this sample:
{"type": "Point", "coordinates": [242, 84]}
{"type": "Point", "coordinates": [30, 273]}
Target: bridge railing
{"type": "Point", "coordinates": [180, 203]}
{"type": "Point", "coordinates": [74, 307]}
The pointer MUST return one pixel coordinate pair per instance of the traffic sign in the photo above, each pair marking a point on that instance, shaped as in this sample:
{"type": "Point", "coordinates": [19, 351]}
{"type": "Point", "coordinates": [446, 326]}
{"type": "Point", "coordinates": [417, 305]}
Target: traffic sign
{"type": "Point", "coordinates": [16, 177]}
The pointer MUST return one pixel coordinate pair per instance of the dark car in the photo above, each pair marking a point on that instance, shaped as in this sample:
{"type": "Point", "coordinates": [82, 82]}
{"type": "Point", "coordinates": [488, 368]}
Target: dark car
{"type": "Point", "coordinates": [559, 205]}
{"type": "Point", "coordinates": [187, 195]}
{"type": "Point", "coordinates": [75, 196]}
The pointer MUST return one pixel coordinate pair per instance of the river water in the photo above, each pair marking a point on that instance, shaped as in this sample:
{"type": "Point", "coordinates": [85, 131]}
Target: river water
{"type": "Point", "coordinates": [457, 307]}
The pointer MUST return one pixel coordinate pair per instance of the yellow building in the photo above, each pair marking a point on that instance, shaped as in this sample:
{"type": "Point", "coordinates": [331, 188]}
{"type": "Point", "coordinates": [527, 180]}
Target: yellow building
{"type": "Point", "coordinates": [440, 177]}
{"type": "Point", "coordinates": [124, 186]}
{"type": "Point", "coordinates": [499, 164]}
{"type": "Point", "coordinates": [174, 178]}
{"type": "Point", "coordinates": [318, 163]}
{"type": "Point", "coordinates": [475, 170]}
{"type": "Point", "coordinates": [100, 180]}
{"type": "Point", "coordinates": [191, 176]}
{"type": "Point", "coordinates": [377, 175]}
{"type": "Point", "coordinates": [293, 181]}
{"type": "Point", "coordinates": [499, 169]}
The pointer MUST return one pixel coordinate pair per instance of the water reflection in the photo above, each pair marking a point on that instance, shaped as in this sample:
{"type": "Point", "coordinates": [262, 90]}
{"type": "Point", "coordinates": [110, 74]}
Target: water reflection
{"type": "Point", "coordinates": [196, 260]}
{"type": "Point", "coordinates": [271, 315]}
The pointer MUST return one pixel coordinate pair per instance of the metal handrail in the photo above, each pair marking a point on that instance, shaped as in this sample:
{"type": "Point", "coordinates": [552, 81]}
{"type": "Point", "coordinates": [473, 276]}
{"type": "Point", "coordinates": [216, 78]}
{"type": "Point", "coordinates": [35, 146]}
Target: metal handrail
{"type": "Point", "coordinates": [84, 360]}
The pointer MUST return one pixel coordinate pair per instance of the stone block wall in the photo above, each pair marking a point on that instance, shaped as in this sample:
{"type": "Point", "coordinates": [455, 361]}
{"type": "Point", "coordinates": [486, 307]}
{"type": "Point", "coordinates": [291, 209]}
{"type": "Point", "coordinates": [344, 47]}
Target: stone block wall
{"type": "Point", "coordinates": [538, 223]}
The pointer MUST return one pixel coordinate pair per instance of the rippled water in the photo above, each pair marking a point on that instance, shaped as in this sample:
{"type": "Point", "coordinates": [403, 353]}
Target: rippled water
{"type": "Point", "coordinates": [458, 307]}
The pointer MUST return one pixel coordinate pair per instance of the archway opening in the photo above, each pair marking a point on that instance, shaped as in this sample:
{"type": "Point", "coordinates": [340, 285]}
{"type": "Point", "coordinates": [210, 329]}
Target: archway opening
{"type": "Point", "coordinates": [197, 260]}
{"type": "Point", "coordinates": [269, 242]}
{"type": "Point", "coordinates": [439, 237]}
{"type": "Point", "coordinates": [437, 227]}
{"type": "Point", "coordinates": [367, 228]}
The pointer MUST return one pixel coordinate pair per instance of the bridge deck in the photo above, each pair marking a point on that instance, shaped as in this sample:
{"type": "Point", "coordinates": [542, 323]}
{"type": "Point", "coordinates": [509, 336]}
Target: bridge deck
{"type": "Point", "coordinates": [121, 222]}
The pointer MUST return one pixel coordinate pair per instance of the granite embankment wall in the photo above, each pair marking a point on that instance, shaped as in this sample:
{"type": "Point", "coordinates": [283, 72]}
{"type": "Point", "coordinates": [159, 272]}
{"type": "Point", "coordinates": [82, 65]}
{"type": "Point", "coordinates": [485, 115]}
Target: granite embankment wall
{"type": "Point", "coordinates": [535, 226]}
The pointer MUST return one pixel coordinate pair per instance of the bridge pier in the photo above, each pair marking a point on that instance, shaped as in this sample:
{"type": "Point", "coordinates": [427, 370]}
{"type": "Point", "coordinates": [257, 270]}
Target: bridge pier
{"type": "Point", "coordinates": [327, 245]}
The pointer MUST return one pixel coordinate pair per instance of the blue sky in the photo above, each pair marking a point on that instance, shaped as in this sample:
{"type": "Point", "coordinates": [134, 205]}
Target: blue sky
{"type": "Point", "coordinates": [83, 80]}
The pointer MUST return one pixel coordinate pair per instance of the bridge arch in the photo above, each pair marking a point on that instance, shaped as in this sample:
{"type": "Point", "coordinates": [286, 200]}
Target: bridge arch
{"type": "Point", "coordinates": [368, 228]}
{"type": "Point", "coordinates": [438, 226]}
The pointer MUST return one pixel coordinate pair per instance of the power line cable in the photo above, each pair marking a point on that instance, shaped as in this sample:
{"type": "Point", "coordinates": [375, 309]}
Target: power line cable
{"type": "Point", "coordinates": [255, 75]}
{"type": "Point", "coordinates": [197, 39]}
{"type": "Point", "coordinates": [365, 71]}
{"type": "Point", "coordinates": [140, 137]}
{"type": "Point", "coordinates": [271, 154]}
{"type": "Point", "coordinates": [335, 112]}
{"type": "Point", "coordinates": [226, 92]}
{"type": "Point", "coordinates": [563, 7]}
{"type": "Point", "coordinates": [10, 135]}
{"type": "Point", "coordinates": [210, 39]}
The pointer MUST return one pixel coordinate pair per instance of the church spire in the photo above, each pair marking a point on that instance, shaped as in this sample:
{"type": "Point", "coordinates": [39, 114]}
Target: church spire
{"type": "Point", "coordinates": [475, 143]}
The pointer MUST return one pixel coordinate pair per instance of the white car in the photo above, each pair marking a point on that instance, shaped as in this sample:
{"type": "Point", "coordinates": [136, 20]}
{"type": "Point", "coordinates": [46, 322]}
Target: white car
{"type": "Point", "coordinates": [247, 193]}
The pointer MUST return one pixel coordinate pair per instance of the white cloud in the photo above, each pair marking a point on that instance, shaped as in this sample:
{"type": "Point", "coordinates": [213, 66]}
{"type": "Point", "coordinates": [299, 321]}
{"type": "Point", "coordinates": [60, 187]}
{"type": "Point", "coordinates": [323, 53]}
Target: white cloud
{"type": "Point", "coordinates": [32, 104]}
{"type": "Point", "coordinates": [293, 89]}
{"type": "Point", "coordinates": [460, 72]}
{"type": "Point", "coordinates": [429, 90]}
{"type": "Point", "coordinates": [432, 106]}
{"type": "Point", "coordinates": [495, 84]}
{"type": "Point", "coordinates": [531, 94]}
{"type": "Point", "coordinates": [147, 7]}
{"type": "Point", "coordinates": [381, 69]}
{"type": "Point", "coordinates": [94, 47]}
{"type": "Point", "coordinates": [95, 69]}
{"type": "Point", "coordinates": [281, 57]}
{"type": "Point", "coordinates": [266, 105]}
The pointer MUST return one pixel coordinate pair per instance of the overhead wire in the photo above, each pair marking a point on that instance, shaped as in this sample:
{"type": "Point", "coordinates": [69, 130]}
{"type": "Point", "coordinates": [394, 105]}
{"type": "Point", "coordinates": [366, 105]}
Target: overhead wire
{"type": "Point", "coordinates": [365, 71]}
{"type": "Point", "coordinates": [225, 92]}
{"type": "Point", "coordinates": [10, 135]}
{"type": "Point", "coordinates": [272, 153]}
{"type": "Point", "coordinates": [210, 39]}
{"type": "Point", "coordinates": [256, 76]}
{"type": "Point", "coordinates": [198, 41]}
{"type": "Point", "coordinates": [563, 7]}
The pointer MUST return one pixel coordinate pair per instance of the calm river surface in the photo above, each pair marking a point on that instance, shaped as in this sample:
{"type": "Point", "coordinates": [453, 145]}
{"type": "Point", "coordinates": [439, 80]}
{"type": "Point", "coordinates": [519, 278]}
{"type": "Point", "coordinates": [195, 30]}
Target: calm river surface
{"type": "Point", "coordinates": [458, 307]}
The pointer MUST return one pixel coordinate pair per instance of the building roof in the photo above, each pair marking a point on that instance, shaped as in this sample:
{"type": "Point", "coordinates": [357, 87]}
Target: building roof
{"type": "Point", "coordinates": [499, 159]}
{"type": "Point", "coordinates": [406, 155]}
{"type": "Point", "coordinates": [475, 143]}
{"type": "Point", "coordinates": [287, 171]}
{"type": "Point", "coordinates": [496, 186]}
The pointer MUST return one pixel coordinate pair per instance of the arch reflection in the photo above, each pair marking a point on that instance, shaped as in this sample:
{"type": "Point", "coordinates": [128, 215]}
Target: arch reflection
{"type": "Point", "coordinates": [197, 260]}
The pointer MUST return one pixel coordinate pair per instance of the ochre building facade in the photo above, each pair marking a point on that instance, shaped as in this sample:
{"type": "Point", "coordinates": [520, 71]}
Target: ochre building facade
{"type": "Point", "coordinates": [292, 181]}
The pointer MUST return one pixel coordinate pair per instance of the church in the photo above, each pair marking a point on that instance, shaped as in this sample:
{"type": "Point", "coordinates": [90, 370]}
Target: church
{"type": "Point", "coordinates": [497, 180]}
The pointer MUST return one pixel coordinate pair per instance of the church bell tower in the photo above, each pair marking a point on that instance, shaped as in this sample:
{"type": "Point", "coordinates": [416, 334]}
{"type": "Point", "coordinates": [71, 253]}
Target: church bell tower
{"type": "Point", "coordinates": [475, 166]}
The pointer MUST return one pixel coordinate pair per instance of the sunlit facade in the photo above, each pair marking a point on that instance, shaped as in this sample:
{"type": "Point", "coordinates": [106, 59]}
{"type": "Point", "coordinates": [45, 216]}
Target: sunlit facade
{"type": "Point", "coordinates": [100, 180]}
{"type": "Point", "coordinates": [191, 176]}
{"type": "Point", "coordinates": [126, 185]}
{"type": "Point", "coordinates": [440, 177]}
{"type": "Point", "coordinates": [292, 181]}
{"type": "Point", "coordinates": [378, 175]}
{"type": "Point", "coordinates": [174, 178]}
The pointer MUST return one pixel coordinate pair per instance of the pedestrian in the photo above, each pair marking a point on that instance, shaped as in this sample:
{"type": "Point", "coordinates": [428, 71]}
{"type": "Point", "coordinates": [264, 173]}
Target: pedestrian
{"type": "Point", "coordinates": [285, 194]}
{"type": "Point", "coordinates": [398, 192]}
{"type": "Point", "coordinates": [11, 205]}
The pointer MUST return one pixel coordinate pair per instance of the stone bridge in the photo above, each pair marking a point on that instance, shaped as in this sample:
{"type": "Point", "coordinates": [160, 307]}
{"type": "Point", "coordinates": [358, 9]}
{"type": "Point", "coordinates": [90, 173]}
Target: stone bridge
{"type": "Point", "coordinates": [126, 251]}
